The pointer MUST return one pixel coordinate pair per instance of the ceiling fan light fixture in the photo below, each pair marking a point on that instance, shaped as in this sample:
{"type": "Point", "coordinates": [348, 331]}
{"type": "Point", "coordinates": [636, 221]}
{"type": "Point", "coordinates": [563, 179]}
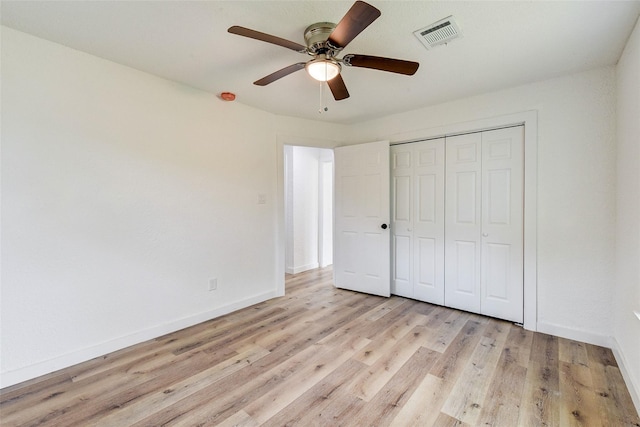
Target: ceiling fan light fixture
{"type": "Point", "coordinates": [323, 69]}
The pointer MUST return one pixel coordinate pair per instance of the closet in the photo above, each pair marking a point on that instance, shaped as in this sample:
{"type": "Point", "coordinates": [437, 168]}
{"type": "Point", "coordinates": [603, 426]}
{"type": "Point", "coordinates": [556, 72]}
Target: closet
{"type": "Point", "coordinates": [457, 222]}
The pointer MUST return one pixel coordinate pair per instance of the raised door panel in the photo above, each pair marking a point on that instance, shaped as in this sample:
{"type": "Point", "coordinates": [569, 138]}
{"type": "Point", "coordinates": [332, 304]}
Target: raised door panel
{"type": "Point", "coordinates": [428, 225]}
{"type": "Point", "coordinates": [502, 281]}
{"type": "Point", "coordinates": [346, 205]}
{"type": "Point", "coordinates": [463, 221]}
{"type": "Point", "coordinates": [401, 220]}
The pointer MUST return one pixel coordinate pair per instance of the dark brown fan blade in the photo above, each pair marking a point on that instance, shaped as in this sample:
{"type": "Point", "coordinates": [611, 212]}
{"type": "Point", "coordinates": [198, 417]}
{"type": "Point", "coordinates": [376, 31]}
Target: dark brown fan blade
{"type": "Point", "coordinates": [253, 34]}
{"type": "Point", "coordinates": [359, 17]}
{"type": "Point", "coordinates": [338, 88]}
{"type": "Point", "coordinates": [279, 74]}
{"type": "Point", "coordinates": [383, 64]}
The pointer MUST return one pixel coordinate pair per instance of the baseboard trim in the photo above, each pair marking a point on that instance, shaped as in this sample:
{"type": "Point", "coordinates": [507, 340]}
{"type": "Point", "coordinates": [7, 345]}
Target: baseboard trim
{"type": "Point", "coordinates": [634, 389]}
{"type": "Point", "coordinates": [17, 376]}
{"type": "Point", "coordinates": [301, 268]}
{"type": "Point", "coordinates": [574, 334]}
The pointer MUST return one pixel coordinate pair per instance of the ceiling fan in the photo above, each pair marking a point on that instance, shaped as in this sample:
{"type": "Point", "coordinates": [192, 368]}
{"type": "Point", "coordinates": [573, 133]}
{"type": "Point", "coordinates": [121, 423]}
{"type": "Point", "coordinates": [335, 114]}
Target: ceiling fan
{"type": "Point", "coordinates": [325, 41]}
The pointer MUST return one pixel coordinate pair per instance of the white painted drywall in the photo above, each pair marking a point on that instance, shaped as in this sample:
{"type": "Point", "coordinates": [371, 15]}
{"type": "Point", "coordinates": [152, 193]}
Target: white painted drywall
{"type": "Point", "coordinates": [305, 208]}
{"type": "Point", "coordinates": [626, 295]}
{"type": "Point", "coordinates": [576, 188]}
{"type": "Point", "coordinates": [122, 195]}
{"type": "Point", "coordinates": [288, 208]}
{"type": "Point", "coordinates": [326, 208]}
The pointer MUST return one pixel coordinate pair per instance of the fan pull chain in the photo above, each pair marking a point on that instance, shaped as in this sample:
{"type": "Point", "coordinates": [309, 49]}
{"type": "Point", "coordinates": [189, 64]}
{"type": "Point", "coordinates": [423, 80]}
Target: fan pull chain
{"type": "Point", "coordinates": [322, 109]}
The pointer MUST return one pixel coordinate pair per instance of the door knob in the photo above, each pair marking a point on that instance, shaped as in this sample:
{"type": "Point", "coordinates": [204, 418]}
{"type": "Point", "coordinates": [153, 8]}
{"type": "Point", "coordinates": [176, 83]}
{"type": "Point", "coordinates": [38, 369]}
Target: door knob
{"type": "Point", "coordinates": [485, 234]}
{"type": "Point", "coordinates": [384, 226]}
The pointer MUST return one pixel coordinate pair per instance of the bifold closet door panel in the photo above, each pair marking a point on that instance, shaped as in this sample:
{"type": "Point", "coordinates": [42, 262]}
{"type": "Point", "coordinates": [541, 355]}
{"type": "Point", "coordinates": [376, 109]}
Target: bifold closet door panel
{"type": "Point", "coordinates": [428, 221]}
{"type": "Point", "coordinates": [502, 281]}
{"type": "Point", "coordinates": [463, 245]}
{"type": "Point", "coordinates": [457, 222]}
{"type": "Point", "coordinates": [401, 220]}
{"type": "Point", "coordinates": [417, 193]}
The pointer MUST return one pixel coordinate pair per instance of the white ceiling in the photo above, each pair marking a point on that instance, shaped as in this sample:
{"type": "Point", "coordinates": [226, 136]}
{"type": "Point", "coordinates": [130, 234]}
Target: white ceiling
{"type": "Point", "coordinates": [504, 44]}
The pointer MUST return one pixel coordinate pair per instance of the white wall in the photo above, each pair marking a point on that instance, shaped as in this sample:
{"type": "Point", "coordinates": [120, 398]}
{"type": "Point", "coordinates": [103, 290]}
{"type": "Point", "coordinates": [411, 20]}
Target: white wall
{"type": "Point", "coordinates": [626, 297]}
{"type": "Point", "coordinates": [326, 208]}
{"type": "Point", "coordinates": [304, 209]}
{"type": "Point", "coordinates": [576, 188]}
{"type": "Point", "coordinates": [305, 198]}
{"type": "Point", "coordinates": [123, 193]}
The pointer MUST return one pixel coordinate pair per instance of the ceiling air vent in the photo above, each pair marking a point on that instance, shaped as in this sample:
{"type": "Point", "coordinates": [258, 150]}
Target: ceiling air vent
{"type": "Point", "coordinates": [438, 33]}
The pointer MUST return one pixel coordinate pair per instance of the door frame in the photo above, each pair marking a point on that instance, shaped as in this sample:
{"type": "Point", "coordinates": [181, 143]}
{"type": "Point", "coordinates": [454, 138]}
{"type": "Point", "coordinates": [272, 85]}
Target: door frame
{"type": "Point", "coordinates": [279, 249]}
{"type": "Point", "coordinates": [530, 121]}
{"type": "Point", "coordinates": [324, 218]}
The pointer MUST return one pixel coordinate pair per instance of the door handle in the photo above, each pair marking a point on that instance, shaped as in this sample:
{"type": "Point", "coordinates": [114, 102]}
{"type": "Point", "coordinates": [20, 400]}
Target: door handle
{"type": "Point", "coordinates": [485, 234]}
{"type": "Point", "coordinates": [384, 226]}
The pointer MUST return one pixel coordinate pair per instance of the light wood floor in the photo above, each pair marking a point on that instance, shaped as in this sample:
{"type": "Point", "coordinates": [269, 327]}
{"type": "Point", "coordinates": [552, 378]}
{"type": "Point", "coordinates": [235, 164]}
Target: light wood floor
{"type": "Point", "coordinates": [326, 357]}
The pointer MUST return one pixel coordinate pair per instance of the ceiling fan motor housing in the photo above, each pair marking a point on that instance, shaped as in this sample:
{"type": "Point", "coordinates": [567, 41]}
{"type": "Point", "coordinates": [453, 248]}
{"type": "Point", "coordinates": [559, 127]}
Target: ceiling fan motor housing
{"type": "Point", "coordinates": [316, 35]}
{"type": "Point", "coordinates": [324, 41]}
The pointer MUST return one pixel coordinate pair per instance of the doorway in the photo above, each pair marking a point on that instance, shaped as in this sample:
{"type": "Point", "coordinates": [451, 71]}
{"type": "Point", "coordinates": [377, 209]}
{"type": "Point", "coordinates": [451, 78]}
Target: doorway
{"type": "Point", "coordinates": [308, 199]}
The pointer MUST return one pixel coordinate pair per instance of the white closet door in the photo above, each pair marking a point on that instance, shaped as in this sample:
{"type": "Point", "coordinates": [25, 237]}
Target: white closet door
{"type": "Point", "coordinates": [401, 220]}
{"type": "Point", "coordinates": [428, 221]}
{"type": "Point", "coordinates": [502, 223]}
{"type": "Point", "coordinates": [361, 243]}
{"type": "Point", "coordinates": [463, 222]}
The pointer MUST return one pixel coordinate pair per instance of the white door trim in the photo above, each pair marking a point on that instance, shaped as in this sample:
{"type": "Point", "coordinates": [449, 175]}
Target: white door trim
{"type": "Point", "coordinates": [281, 141]}
{"type": "Point", "coordinates": [530, 121]}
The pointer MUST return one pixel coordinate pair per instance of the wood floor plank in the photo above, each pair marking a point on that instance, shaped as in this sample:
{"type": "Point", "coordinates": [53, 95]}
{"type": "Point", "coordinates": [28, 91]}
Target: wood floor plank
{"type": "Point", "coordinates": [445, 420]}
{"type": "Point", "coordinates": [309, 370]}
{"type": "Point", "coordinates": [502, 401]}
{"type": "Point", "coordinates": [322, 356]}
{"type": "Point", "coordinates": [447, 331]}
{"type": "Point", "coordinates": [540, 401]}
{"type": "Point", "coordinates": [99, 403]}
{"type": "Point", "coordinates": [519, 343]}
{"type": "Point", "coordinates": [239, 419]}
{"type": "Point", "coordinates": [70, 398]}
{"type": "Point", "coordinates": [153, 402]}
{"type": "Point", "coordinates": [381, 345]}
{"type": "Point", "coordinates": [601, 355]}
{"type": "Point", "coordinates": [573, 352]}
{"type": "Point", "coordinates": [387, 403]}
{"type": "Point", "coordinates": [370, 381]}
{"type": "Point", "coordinates": [312, 405]}
{"type": "Point", "coordinates": [454, 358]}
{"type": "Point", "coordinates": [578, 406]}
{"type": "Point", "coordinates": [423, 406]}
{"type": "Point", "coordinates": [273, 337]}
{"type": "Point", "coordinates": [467, 396]}
{"type": "Point", "coordinates": [384, 308]}
{"type": "Point", "coordinates": [437, 316]}
{"type": "Point", "coordinates": [614, 402]}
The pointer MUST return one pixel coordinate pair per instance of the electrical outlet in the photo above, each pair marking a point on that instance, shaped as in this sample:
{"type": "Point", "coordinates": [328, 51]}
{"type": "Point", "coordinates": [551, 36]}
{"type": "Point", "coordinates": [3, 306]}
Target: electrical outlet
{"type": "Point", "coordinates": [213, 284]}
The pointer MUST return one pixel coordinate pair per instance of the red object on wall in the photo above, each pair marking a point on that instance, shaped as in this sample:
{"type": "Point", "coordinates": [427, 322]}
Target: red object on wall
{"type": "Point", "coordinates": [228, 96]}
